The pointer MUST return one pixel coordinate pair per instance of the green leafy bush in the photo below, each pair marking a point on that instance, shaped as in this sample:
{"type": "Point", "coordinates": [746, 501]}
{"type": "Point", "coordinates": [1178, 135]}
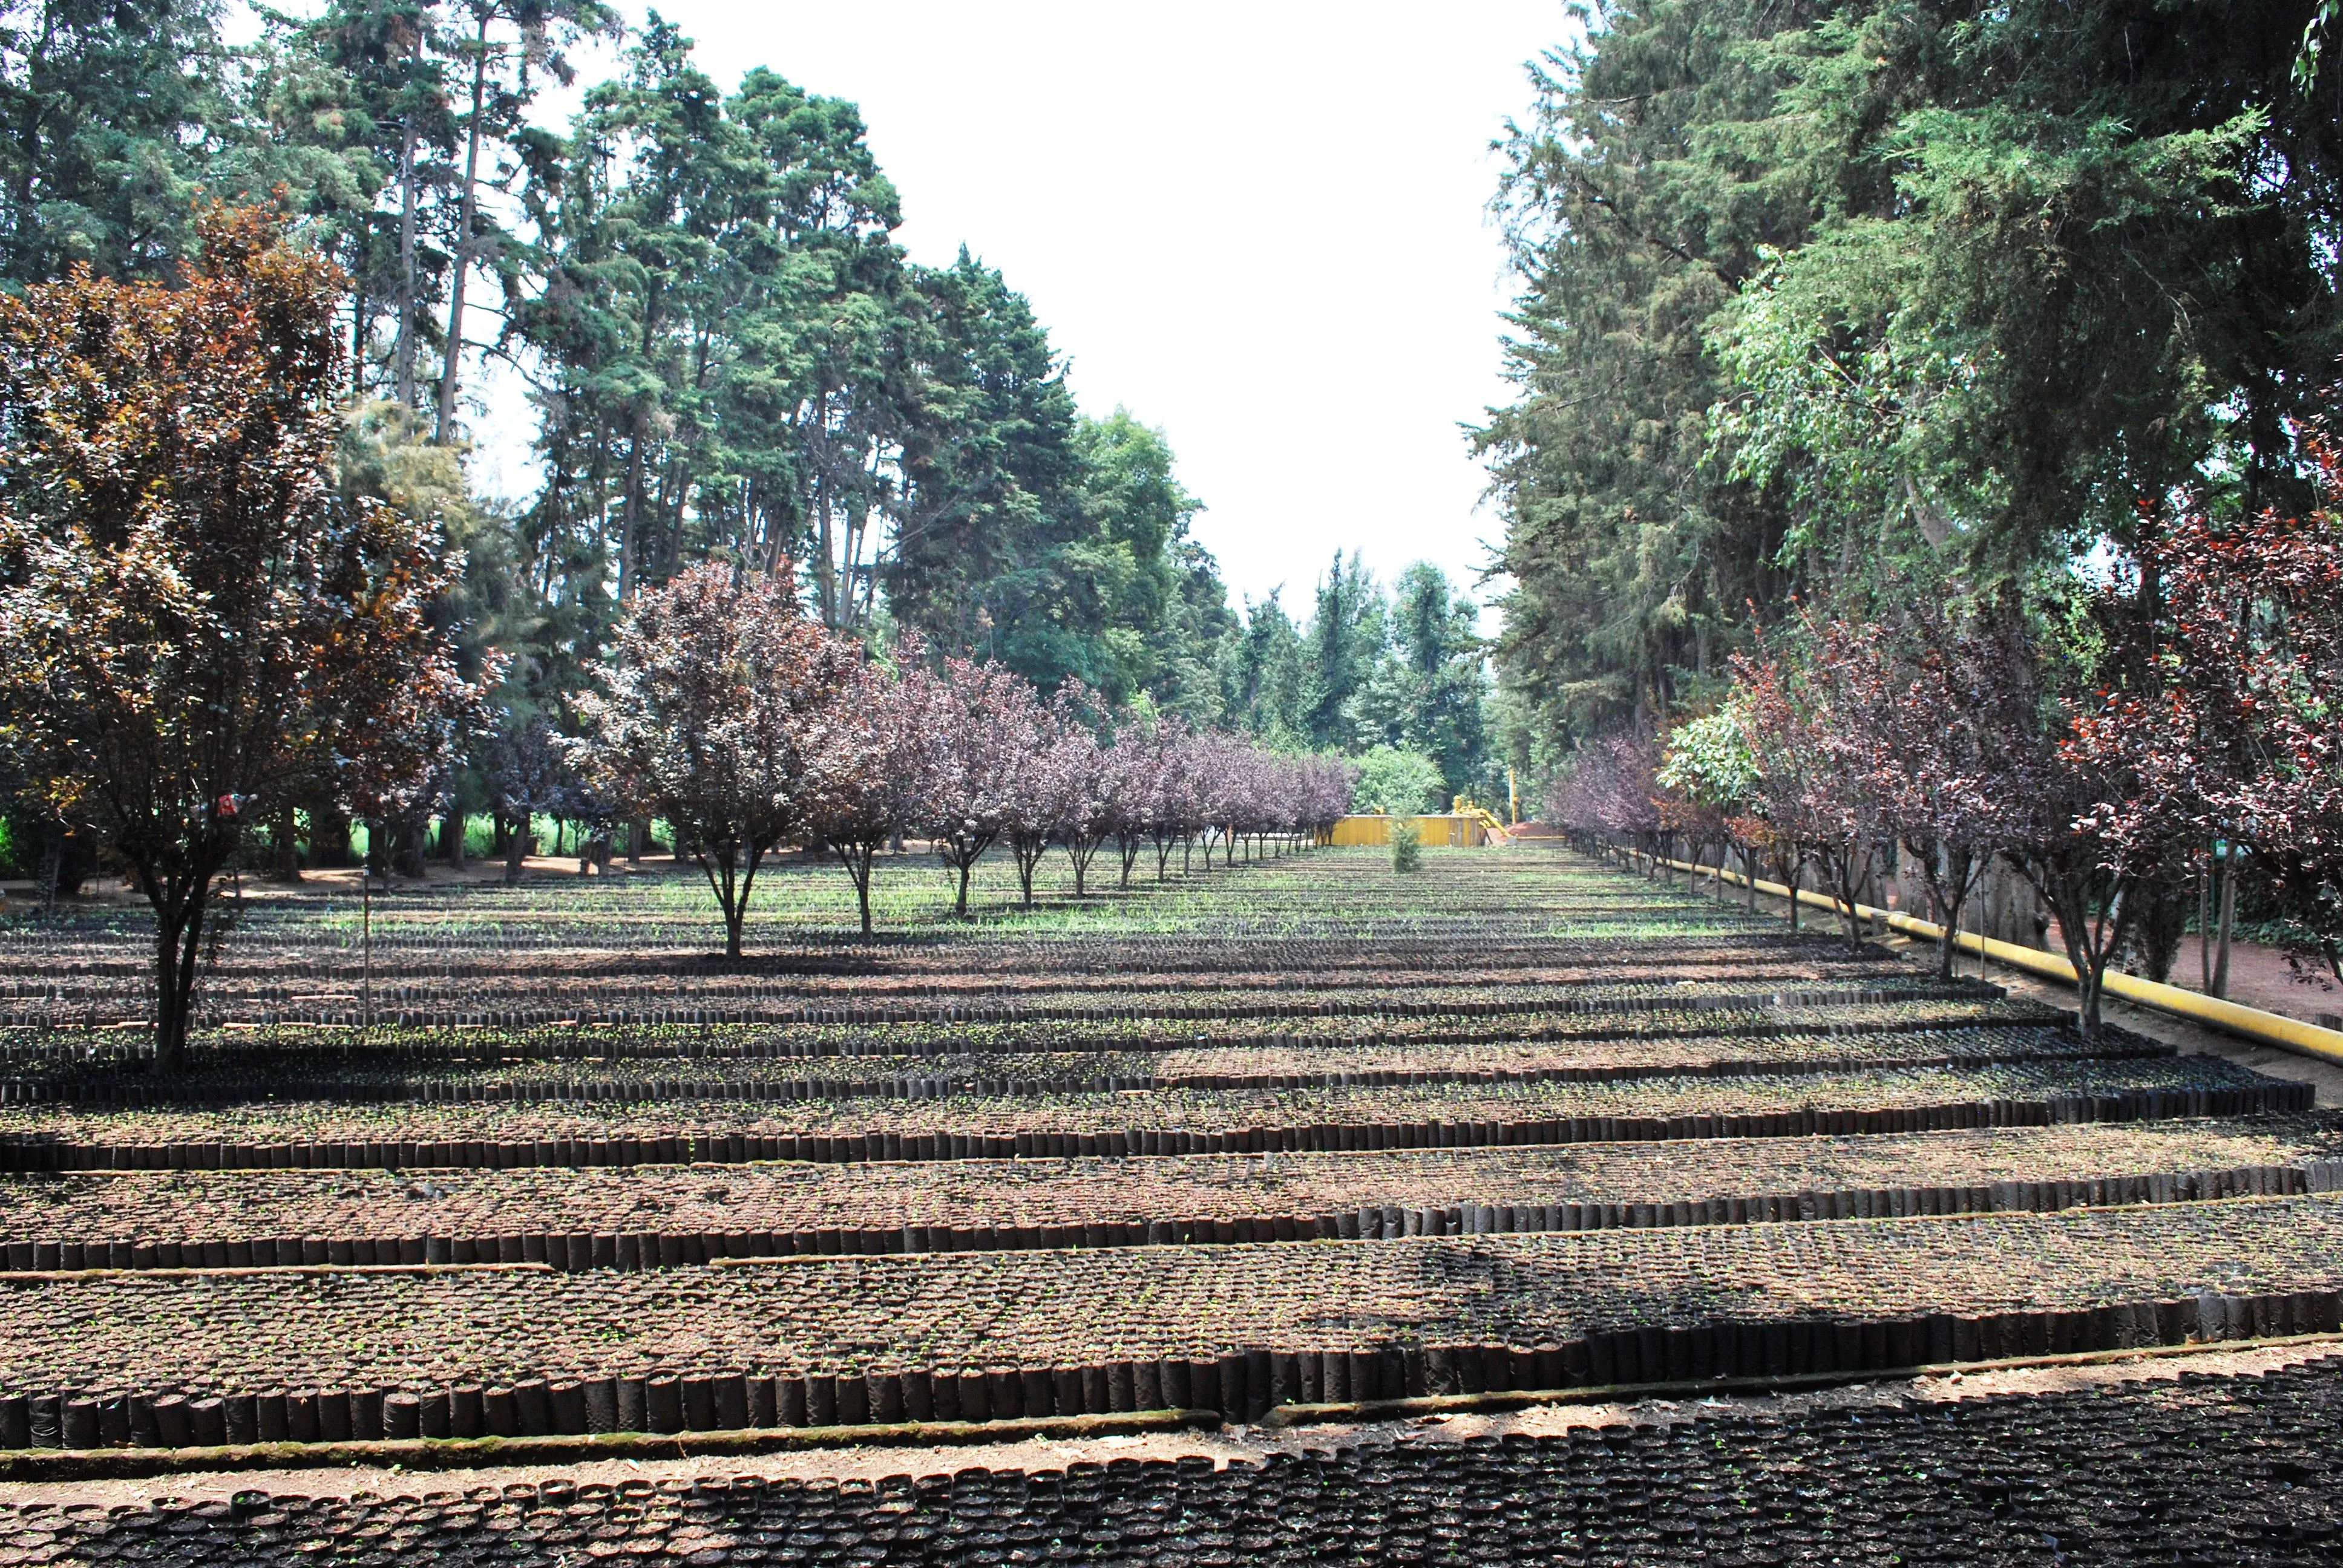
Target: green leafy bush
{"type": "Point", "coordinates": [1396, 782]}
{"type": "Point", "coordinates": [1406, 845]}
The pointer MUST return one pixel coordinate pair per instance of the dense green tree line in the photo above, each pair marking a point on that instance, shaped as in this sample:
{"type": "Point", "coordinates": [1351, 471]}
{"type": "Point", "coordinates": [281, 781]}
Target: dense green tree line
{"type": "Point", "coordinates": [726, 354]}
{"type": "Point", "coordinates": [1401, 669]}
{"type": "Point", "coordinates": [1838, 299]}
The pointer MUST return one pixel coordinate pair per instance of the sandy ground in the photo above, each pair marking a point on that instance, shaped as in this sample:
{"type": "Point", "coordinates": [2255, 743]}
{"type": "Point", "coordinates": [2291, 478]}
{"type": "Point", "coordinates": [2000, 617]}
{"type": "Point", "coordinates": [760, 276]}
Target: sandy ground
{"type": "Point", "coordinates": [1236, 1442]}
{"type": "Point", "coordinates": [2260, 977]}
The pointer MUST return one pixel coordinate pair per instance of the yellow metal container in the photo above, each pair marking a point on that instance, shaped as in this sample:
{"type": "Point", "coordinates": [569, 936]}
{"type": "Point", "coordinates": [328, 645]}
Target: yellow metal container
{"type": "Point", "coordinates": [1455, 829]}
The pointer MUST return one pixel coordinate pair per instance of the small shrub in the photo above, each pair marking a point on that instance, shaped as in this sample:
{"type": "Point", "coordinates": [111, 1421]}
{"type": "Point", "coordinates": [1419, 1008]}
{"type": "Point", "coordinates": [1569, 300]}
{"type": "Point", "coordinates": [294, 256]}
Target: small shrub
{"type": "Point", "coordinates": [1406, 844]}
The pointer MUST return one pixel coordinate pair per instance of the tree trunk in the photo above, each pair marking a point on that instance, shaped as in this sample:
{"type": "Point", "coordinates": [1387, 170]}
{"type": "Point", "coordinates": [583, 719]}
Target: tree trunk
{"type": "Point", "coordinates": [357, 342]}
{"type": "Point", "coordinates": [825, 597]}
{"type": "Point", "coordinates": [406, 356]}
{"type": "Point", "coordinates": [178, 902]}
{"type": "Point", "coordinates": [1028, 854]}
{"type": "Point", "coordinates": [857, 858]}
{"type": "Point", "coordinates": [2228, 915]}
{"type": "Point", "coordinates": [285, 846]}
{"type": "Point", "coordinates": [2090, 979]}
{"type": "Point", "coordinates": [2089, 941]}
{"type": "Point", "coordinates": [1079, 851]}
{"type": "Point", "coordinates": [731, 891]}
{"type": "Point", "coordinates": [1947, 876]}
{"type": "Point", "coordinates": [468, 211]}
{"type": "Point", "coordinates": [329, 838]}
{"type": "Point", "coordinates": [53, 865]}
{"type": "Point", "coordinates": [1844, 870]}
{"type": "Point", "coordinates": [175, 939]}
{"type": "Point", "coordinates": [516, 851]}
{"type": "Point", "coordinates": [631, 507]}
{"type": "Point", "coordinates": [409, 839]}
{"type": "Point", "coordinates": [2204, 929]}
{"type": "Point", "coordinates": [718, 866]}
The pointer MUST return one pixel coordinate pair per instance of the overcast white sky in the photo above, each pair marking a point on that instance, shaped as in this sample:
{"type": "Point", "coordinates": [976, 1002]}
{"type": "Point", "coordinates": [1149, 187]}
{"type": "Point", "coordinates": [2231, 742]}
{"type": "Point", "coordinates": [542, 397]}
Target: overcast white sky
{"type": "Point", "coordinates": [1260, 226]}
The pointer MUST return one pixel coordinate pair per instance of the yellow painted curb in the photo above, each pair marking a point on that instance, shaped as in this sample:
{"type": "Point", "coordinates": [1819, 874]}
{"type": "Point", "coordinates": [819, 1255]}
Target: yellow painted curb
{"type": "Point", "coordinates": [2234, 1017]}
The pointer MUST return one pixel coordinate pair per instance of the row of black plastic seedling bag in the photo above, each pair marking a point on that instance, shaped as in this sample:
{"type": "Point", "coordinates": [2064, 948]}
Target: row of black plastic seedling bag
{"type": "Point", "coordinates": [1240, 1384]}
{"type": "Point", "coordinates": [1664, 998]}
{"type": "Point", "coordinates": [457, 1049]}
{"type": "Point", "coordinates": [576, 1250]}
{"type": "Point", "coordinates": [44, 1152]}
{"type": "Point", "coordinates": [1995, 1049]}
